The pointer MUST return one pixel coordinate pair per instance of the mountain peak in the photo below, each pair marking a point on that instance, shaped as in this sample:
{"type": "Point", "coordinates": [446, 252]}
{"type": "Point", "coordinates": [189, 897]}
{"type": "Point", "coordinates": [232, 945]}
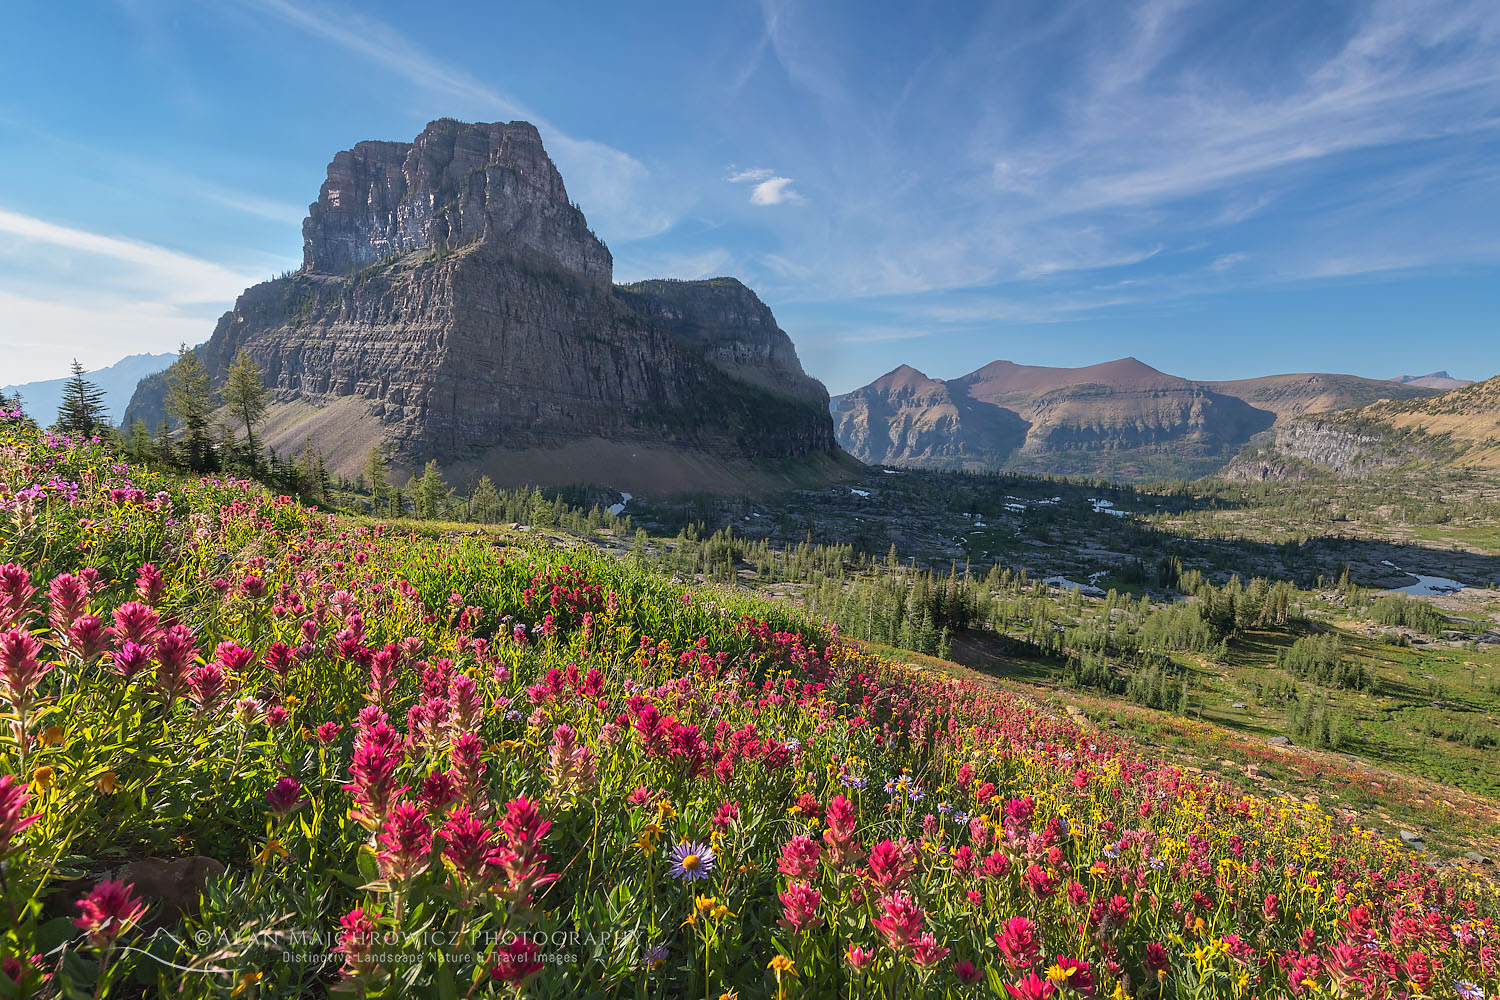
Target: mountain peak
{"type": "Point", "coordinates": [1433, 380]}
{"type": "Point", "coordinates": [455, 184]}
{"type": "Point", "coordinates": [901, 377]}
{"type": "Point", "coordinates": [453, 305]}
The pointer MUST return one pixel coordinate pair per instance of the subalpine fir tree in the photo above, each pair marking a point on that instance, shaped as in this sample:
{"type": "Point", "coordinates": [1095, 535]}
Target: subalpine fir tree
{"type": "Point", "coordinates": [138, 446]}
{"type": "Point", "coordinates": [376, 472]}
{"type": "Point", "coordinates": [82, 410]}
{"type": "Point", "coordinates": [246, 395]}
{"type": "Point", "coordinates": [190, 399]}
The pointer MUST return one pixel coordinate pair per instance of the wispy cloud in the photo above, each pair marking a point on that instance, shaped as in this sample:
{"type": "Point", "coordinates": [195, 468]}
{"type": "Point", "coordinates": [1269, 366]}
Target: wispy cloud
{"type": "Point", "coordinates": [96, 329]}
{"type": "Point", "coordinates": [249, 203]}
{"type": "Point", "coordinates": [101, 295]}
{"type": "Point", "coordinates": [750, 175]}
{"type": "Point", "coordinates": [607, 182]}
{"type": "Point", "coordinates": [1144, 137]}
{"type": "Point", "coordinates": [174, 278]}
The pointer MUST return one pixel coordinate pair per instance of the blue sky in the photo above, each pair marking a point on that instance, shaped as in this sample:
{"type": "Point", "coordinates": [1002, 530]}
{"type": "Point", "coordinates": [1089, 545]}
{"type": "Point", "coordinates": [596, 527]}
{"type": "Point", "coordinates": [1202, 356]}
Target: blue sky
{"type": "Point", "coordinates": [1222, 190]}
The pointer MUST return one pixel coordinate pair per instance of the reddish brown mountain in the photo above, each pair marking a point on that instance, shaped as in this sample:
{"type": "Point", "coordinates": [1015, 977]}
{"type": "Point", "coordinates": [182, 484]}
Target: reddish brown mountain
{"type": "Point", "coordinates": [1122, 419]}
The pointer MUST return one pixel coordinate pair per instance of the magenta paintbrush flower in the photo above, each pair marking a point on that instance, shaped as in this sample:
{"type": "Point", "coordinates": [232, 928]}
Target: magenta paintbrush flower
{"type": "Point", "coordinates": [405, 841]}
{"type": "Point", "coordinates": [16, 592]}
{"type": "Point", "coordinates": [13, 819]}
{"type": "Point", "coordinates": [285, 796]}
{"type": "Point", "coordinates": [108, 911]}
{"type": "Point", "coordinates": [20, 668]}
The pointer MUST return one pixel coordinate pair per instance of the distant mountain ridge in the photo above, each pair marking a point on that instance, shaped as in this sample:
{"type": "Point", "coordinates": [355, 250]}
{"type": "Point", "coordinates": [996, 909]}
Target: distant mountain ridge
{"type": "Point", "coordinates": [1121, 419]}
{"type": "Point", "coordinates": [117, 381]}
{"type": "Point", "coordinates": [454, 305]}
{"type": "Point", "coordinates": [1459, 428]}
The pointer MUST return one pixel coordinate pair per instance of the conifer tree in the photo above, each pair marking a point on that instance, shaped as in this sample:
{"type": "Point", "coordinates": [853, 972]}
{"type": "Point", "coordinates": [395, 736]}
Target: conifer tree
{"type": "Point", "coordinates": [138, 445]}
{"type": "Point", "coordinates": [430, 492]}
{"type": "Point", "coordinates": [376, 472]}
{"type": "Point", "coordinates": [246, 396]}
{"type": "Point", "coordinates": [190, 399]}
{"type": "Point", "coordinates": [484, 502]}
{"type": "Point", "coordinates": [82, 410]}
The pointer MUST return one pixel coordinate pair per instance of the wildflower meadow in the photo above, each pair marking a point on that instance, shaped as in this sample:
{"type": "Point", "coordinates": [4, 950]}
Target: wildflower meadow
{"type": "Point", "coordinates": [452, 765]}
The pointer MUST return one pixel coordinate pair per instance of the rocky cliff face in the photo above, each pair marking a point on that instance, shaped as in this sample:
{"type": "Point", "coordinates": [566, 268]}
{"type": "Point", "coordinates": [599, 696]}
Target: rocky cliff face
{"type": "Point", "coordinates": [479, 327]}
{"type": "Point", "coordinates": [907, 418]}
{"type": "Point", "coordinates": [1457, 428]}
{"type": "Point", "coordinates": [1309, 447]}
{"type": "Point", "coordinates": [455, 185]}
{"type": "Point", "coordinates": [732, 326]}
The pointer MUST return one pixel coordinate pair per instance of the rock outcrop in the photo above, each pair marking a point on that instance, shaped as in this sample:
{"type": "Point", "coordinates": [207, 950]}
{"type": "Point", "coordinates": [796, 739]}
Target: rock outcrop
{"type": "Point", "coordinates": [1457, 428]}
{"type": "Point", "coordinates": [731, 325]}
{"type": "Point", "coordinates": [453, 304]}
{"type": "Point", "coordinates": [455, 185]}
{"type": "Point", "coordinates": [1309, 447]}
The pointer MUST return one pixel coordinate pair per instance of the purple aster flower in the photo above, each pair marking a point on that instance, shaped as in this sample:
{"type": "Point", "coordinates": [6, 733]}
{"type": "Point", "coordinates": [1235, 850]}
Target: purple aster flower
{"type": "Point", "coordinates": [692, 861]}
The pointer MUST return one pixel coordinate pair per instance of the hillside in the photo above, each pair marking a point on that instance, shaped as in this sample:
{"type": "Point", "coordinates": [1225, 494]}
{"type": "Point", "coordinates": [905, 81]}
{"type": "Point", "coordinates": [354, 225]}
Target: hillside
{"type": "Point", "coordinates": [1455, 429]}
{"type": "Point", "coordinates": [579, 778]}
{"type": "Point", "coordinates": [454, 305]}
{"type": "Point", "coordinates": [1122, 419]}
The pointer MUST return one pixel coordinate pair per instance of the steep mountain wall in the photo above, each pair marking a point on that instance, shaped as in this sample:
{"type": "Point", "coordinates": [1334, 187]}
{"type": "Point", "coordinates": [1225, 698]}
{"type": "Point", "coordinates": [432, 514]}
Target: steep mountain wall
{"type": "Point", "coordinates": [454, 305]}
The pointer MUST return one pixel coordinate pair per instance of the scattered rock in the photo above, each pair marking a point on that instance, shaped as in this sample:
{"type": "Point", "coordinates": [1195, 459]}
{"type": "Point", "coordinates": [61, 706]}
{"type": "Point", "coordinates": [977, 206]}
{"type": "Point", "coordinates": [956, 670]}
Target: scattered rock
{"type": "Point", "coordinates": [1477, 858]}
{"type": "Point", "coordinates": [1239, 704]}
{"type": "Point", "coordinates": [1413, 841]}
{"type": "Point", "coordinates": [1252, 770]}
{"type": "Point", "coordinates": [1279, 741]}
{"type": "Point", "coordinates": [174, 886]}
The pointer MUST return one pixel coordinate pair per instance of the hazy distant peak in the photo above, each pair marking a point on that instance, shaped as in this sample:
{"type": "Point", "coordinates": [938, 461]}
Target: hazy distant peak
{"type": "Point", "coordinates": [1433, 380]}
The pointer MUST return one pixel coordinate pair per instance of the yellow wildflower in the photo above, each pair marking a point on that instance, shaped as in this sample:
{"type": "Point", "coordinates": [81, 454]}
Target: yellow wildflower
{"type": "Point", "coordinates": [646, 839]}
{"type": "Point", "coordinates": [1059, 973]}
{"type": "Point", "coordinates": [52, 736]}
{"type": "Point", "coordinates": [107, 782]}
{"type": "Point", "coordinates": [42, 777]}
{"type": "Point", "coordinates": [248, 981]}
{"type": "Point", "coordinates": [272, 850]}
